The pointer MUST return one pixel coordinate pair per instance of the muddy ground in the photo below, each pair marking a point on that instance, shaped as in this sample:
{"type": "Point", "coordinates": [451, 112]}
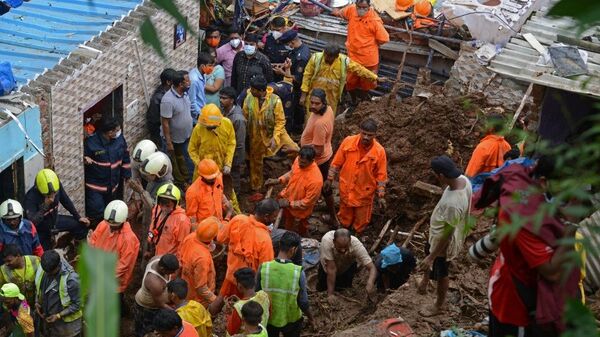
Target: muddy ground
{"type": "Point", "coordinates": [413, 132]}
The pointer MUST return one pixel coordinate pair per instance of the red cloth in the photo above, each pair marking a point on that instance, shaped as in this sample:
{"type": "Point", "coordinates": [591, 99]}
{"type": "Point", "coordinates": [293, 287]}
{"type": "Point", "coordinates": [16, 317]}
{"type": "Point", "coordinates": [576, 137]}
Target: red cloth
{"type": "Point", "coordinates": [533, 246]}
{"type": "Point", "coordinates": [519, 257]}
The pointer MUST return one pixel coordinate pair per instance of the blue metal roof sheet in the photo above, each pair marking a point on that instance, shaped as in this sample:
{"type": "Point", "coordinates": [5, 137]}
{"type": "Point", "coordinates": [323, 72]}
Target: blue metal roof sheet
{"type": "Point", "coordinates": [35, 36]}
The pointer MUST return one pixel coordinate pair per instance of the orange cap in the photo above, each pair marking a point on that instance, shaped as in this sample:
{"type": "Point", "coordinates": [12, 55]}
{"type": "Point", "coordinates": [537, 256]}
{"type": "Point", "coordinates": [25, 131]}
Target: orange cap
{"type": "Point", "coordinates": [403, 5]}
{"type": "Point", "coordinates": [207, 229]}
{"type": "Point", "coordinates": [208, 169]}
{"type": "Point", "coordinates": [423, 8]}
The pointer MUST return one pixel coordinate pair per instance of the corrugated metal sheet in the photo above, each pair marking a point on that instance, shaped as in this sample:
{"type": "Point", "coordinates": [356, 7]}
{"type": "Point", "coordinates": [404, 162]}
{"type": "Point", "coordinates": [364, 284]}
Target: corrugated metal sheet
{"type": "Point", "coordinates": [37, 35]}
{"type": "Point", "coordinates": [519, 59]}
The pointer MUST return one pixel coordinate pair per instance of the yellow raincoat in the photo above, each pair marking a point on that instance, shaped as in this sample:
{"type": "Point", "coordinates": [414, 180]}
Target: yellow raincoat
{"type": "Point", "coordinates": [266, 130]}
{"type": "Point", "coordinates": [195, 314]}
{"type": "Point", "coordinates": [218, 145]}
{"type": "Point", "coordinates": [331, 77]}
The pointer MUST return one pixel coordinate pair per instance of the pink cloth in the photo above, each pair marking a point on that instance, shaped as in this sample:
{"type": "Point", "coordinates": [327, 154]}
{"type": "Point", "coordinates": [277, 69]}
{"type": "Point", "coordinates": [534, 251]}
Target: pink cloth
{"type": "Point", "coordinates": [225, 56]}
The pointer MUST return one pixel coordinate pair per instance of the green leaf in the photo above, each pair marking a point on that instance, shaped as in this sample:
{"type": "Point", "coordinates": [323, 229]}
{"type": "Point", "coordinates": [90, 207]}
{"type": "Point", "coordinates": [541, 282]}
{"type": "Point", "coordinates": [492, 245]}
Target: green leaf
{"type": "Point", "coordinates": [99, 286]}
{"type": "Point", "coordinates": [586, 13]}
{"type": "Point", "coordinates": [581, 320]}
{"type": "Point", "coordinates": [150, 36]}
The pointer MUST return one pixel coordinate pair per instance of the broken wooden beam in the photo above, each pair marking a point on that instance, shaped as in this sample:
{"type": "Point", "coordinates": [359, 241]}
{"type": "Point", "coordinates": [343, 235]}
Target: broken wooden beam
{"type": "Point", "coordinates": [427, 190]}
{"type": "Point", "coordinates": [443, 49]}
{"type": "Point", "coordinates": [414, 229]}
{"type": "Point", "coordinates": [380, 237]}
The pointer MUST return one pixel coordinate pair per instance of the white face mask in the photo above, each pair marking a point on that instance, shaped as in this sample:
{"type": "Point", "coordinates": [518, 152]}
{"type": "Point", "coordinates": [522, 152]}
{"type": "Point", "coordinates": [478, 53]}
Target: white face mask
{"type": "Point", "coordinates": [117, 134]}
{"type": "Point", "coordinates": [235, 43]}
{"type": "Point", "coordinates": [276, 34]}
{"type": "Point", "coordinates": [249, 49]}
{"type": "Point", "coordinates": [361, 11]}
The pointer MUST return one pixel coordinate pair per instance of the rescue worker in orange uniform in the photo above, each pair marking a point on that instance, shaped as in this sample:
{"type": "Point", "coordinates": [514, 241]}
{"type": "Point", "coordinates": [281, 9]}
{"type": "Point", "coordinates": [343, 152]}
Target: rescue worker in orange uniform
{"type": "Point", "coordinates": [362, 165]}
{"type": "Point", "coordinates": [249, 243]}
{"type": "Point", "coordinates": [489, 153]}
{"type": "Point", "coordinates": [365, 34]}
{"type": "Point", "coordinates": [114, 234]}
{"type": "Point", "coordinates": [197, 267]}
{"type": "Point", "coordinates": [205, 197]}
{"type": "Point", "coordinates": [302, 190]}
{"type": "Point", "coordinates": [170, 225]}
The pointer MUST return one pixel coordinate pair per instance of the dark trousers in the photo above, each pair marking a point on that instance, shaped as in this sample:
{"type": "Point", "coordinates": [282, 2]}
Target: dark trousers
{"type": "Point", "coordinates": [183, 167]}
{"type": "Point", "coordinates": [289, 330]}
{"type": "Point", "coordinates": [236, 176]}
{"type": "Point", "coordinates": [342, 281]}
{"type": "Point", "coordinates": [144, 320]}
{"type": "Point", "coordinates": [499, 329]}
{"type": "Point", "coordinates": [64, 223]}
{"type": "Point", "coordinates": [95, 202]}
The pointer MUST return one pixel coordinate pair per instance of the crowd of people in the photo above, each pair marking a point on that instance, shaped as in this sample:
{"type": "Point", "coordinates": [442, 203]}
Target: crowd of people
{"type": "Point", "coordinates": [210, 127]}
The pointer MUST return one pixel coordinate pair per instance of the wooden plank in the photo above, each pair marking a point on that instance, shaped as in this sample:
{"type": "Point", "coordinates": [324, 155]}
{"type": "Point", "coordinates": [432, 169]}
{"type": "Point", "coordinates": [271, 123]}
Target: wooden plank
{"type": "Point", "coordinates": [414, 229]}
{"type": "Point", "coordinates": [426, 189]}
{"type": "Point", "coordinates": [380, 237]}
{"type": "Point", "coordinates": [443, 49]}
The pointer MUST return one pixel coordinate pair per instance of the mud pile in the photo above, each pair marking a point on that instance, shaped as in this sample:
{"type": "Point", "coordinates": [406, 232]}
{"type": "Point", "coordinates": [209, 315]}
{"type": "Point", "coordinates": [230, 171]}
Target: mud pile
{"type": "Point", "coordinates": [413, 132]}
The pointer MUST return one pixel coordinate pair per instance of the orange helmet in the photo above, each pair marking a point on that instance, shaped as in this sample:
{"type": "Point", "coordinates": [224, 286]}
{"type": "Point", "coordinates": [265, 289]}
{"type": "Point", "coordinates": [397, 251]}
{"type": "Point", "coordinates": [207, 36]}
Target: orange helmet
{"type": "Point", "coordinates": [207, 229]}
{"type": "Point", "coordinates": [208, 169]}
{"type": "Point", "coordinates": [403, 5]}
{"type": "Point", "coordinates": [423, 8]}
{"type": "Point", "coordinates": [210, 115]}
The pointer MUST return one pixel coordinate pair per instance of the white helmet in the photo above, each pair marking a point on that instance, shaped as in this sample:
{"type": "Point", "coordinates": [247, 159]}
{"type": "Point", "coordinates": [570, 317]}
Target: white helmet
{"type": "Point", "coordinates": [11, 209]}
{"type": "Point", "coordinates": [143, 149]}
{"type": "Point", "coordinates": [157, 163]}
{"type": "Point", "coordinates": [116, 212]}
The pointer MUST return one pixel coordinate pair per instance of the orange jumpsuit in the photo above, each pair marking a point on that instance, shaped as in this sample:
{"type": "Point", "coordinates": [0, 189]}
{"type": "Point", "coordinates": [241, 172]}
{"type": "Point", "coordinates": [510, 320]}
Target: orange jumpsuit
{"type": "Point", "coordinates": [197, 269]}
{"type": "Point", "coordinates": [203, 200]}
{"type": "Point", "coordinates": [249, 245]}
{"type": "Point", "coordinates": [365, 35]}
{"type": "Point", "coordinates": [124, 243]}
{"type": "Point", "coordinates": [303, 188]}
{"type": "Point", "coordinates": [488, 155]}
{"type": "Point", "coordinates": [362, 173]}
{"type": "Point", "coordinates": [167, 234]}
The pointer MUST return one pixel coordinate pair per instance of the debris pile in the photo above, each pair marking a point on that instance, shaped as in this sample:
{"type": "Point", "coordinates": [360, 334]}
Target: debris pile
{"type": "Point", "coordinates": [413, 132]}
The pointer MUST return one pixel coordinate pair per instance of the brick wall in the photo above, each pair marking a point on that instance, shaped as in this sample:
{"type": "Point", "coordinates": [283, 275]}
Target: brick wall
{"type": "Point", "coordinates": [118, 65]}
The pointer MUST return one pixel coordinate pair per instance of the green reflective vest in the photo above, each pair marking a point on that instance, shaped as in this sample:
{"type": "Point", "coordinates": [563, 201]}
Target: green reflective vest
{"type": "Point", "coordinates": [282, 282]}
{"type": "Point", "coordinates": [343, 71]}
{"type": "Point", "coordinates": [261, 298]}
{"type": "Point", "coordinates": [262, 333]}
{"type": "Point", "coordinates": [65, 299]}
{"type": "Point", "coordinates": [27, 284]}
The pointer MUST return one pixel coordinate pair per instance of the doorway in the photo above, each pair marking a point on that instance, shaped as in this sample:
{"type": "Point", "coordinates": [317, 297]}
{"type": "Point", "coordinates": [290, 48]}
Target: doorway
{"type": "Point", "coordinates": [12, 181]}
{"type": "Point", "coordinates": [109, 106]}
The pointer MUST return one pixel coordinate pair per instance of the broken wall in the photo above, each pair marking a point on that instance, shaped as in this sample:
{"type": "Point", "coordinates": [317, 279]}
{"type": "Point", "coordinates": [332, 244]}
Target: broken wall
{"type": "Point", "coordinates": [117, 65]}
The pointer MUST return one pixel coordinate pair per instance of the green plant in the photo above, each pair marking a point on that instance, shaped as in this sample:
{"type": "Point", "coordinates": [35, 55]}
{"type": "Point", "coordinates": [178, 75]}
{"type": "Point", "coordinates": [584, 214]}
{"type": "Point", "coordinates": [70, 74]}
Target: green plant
{"type": "Point", "coordinates": [99, 289]}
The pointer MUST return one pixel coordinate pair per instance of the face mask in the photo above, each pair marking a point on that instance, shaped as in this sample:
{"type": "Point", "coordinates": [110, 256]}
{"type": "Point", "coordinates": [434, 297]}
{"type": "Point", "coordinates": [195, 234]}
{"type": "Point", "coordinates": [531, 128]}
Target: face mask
{"type": "Point", "coordinates": [276, 34]}
{"type": "Point", "coordinates": [249, 49]}
{"type": "Point", "coordinates": [117, 134]}
{"type": "Point", "coordinates": [288, 48]}
{"type": "Point", "coordinates": [208, 69]}
{"type": "Point", "coordinates": [362, 12]}
{"type": "Point", "coordinates": [213, 41]}
{"type": "Point", "coordinates": [235, 43]}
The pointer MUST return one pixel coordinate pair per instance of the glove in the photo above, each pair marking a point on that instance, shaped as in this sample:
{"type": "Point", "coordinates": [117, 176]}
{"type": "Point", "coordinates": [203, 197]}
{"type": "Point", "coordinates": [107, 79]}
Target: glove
{"type": "Point", "coordinates": [226, 170]}
{"type": "Point", "coordinates": [381, 203]}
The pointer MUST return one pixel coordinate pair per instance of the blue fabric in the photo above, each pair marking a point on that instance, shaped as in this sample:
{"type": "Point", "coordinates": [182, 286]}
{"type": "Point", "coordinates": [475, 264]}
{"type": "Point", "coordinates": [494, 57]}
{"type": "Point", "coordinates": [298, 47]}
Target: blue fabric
{"type": "Point", "coordinates": [112, 161]}
{"type": "Point", "coordinates": [391, 255]}
{"type": "Point", "coordinates": [477, 181]}
{"type": "Point", "coordinates": [7, 78]}
{"type": "Point", "coordinates": [25, 237]}
{"type": "Point", "coordinates": [196, 93]}
{"type": "Point", "coordinates": [218, 73]}
{"type": "Point", "coordinates": [14, 3]}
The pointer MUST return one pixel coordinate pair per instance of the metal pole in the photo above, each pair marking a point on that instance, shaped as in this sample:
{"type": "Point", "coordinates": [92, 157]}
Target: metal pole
{"type": "Point", "coordinates": [439, 32]}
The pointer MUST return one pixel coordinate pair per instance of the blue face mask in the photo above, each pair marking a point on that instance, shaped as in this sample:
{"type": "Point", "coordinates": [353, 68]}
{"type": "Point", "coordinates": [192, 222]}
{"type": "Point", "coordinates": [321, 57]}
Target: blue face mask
{"type": "Point", "coordinates": [249, 49]}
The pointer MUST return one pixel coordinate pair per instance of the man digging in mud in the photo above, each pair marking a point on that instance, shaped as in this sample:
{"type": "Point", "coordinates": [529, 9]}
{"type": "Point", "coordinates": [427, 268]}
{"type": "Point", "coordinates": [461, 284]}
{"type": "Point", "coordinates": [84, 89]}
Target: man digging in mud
{"type": "Point", "coordinates": [446, 230]}
{"type": "Point", "coordinates": [342, 255]}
